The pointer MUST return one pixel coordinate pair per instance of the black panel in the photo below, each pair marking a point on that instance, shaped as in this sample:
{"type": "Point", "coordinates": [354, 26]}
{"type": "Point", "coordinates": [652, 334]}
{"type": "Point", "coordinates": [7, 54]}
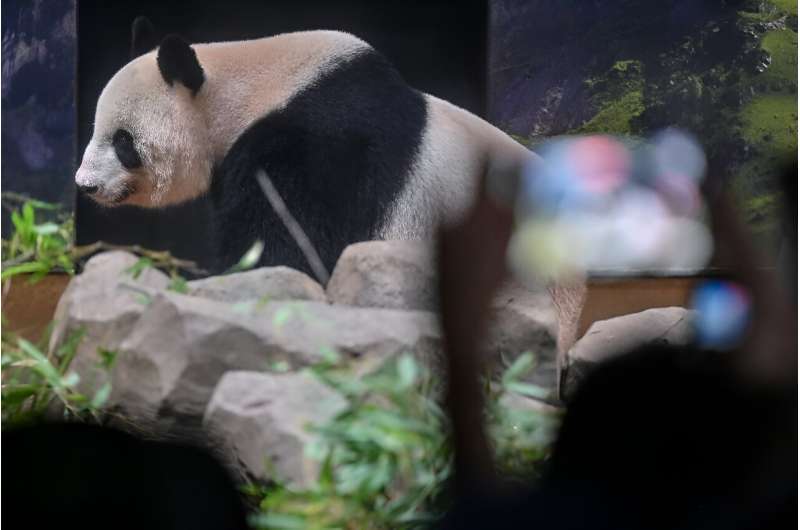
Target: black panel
{"type": "Point", "coordinates": [438, 46]}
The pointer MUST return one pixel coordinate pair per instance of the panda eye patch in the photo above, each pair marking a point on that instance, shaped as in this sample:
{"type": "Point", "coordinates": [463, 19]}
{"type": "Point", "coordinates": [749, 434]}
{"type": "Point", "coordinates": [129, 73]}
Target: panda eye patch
{"type": "Point", "coordinates": [125, 150]}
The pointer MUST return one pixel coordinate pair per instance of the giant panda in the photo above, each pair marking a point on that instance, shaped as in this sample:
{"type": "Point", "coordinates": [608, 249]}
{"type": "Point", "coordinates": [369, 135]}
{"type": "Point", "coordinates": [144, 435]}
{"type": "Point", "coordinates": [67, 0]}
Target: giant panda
{"type": "Point", "coordinates": [354, 152]}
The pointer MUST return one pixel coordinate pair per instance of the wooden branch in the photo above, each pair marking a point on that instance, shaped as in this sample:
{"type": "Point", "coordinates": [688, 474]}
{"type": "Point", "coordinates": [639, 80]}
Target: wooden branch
{"type": "Point", "coordinates": [162, 257]}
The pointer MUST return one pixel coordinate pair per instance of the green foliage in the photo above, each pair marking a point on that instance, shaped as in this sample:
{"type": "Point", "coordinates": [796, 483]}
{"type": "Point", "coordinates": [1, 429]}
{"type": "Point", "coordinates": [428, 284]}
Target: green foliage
{"type": "Point", "coordinates": [788, 7]}
{"type": "Point", "coordinates": [766, 127]}
{"type": "Point", "coordinates": [781, 45]}
{"type": "Point", "coordinates": [33, 381]}
{"type": "Point", "coordinates": [732, 81]}
{"type": "Point", "coordinates": [618, 97]}
{"type": "Point", "coordinates": [385, 459]}
{"type": "Point", "coordinates": [615, 117]}
{"type": "Point", "coordinates": [250, 258]}
{"type": "Point", "coordinates": [178, 284]}
{"type": "Point", "coordinates": [41, 241]}
{"type": "Point", "coordinates": [521, 434]}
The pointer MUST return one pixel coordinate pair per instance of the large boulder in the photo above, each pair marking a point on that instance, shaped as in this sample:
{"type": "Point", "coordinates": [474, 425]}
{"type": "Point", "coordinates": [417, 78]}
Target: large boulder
{"type": "Point", "coordinates": [524, 320]}
{"type": "Point", "coordinates": [402, 275]}
{"type": "Point", "coordinates": [388, 274]}
{"type": "Point", "coordinates": [266, 283]}
{"type": "Point", "coordinates": [170, 362]}
{"type": "Point", "coordinates": [606, 339]}
{"type": "Point", "coordinates": [102, 304]}
{"type": "Point", "coordinates": [262, 420]}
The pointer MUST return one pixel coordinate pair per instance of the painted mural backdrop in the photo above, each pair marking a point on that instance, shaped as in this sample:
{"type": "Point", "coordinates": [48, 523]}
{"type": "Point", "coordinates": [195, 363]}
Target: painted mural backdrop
{"type": "Point", "coordinates": [725, 70]}
{"type": "Point", "coordinates": [39, 66]}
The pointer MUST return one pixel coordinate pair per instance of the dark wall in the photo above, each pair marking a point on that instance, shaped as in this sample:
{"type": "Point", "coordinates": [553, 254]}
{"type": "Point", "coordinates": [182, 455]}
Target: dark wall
{"type": "Point", "coordinates": [39, 60]}
{"type": "Point", "coordinates": [439, 46]}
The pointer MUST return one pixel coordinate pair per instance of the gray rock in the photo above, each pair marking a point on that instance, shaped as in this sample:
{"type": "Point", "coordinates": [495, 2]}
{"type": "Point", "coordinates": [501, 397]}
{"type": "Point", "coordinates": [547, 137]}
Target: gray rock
{"type": "Point", "coordinates": [104, 302]}
{"type": "Point", "coordinates": [528, 404]}
{"type": "Point", "coordinates": [606, 339]}
{"type": "Point", "coordinates": [171, 361]}
{"type": "Point", "coordinates": [524, 319]}
{"type": "Point", "coordinates": [262, 419]}
{"type": "Point", "coordinates": [266, 283]}
{"type": "Point", "coordinates": [401, 275]}
{"type": "Point", "coordinates": [388, 274]}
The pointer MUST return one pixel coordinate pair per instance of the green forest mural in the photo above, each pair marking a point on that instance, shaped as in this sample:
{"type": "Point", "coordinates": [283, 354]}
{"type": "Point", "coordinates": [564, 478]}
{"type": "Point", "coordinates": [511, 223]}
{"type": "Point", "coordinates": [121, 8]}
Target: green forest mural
{"type": "Point", "coordinates": [724, 70]}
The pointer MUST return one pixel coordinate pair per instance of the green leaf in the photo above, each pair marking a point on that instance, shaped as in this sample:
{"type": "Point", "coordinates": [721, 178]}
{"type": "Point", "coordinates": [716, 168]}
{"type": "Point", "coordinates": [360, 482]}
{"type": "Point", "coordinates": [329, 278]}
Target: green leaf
{"type": "Point", "coordinates": [280, 521]}
{"type": "Point", "coordinates": [17, 221]}
{"type": "Point", "coordinates": [179, 285]}
{"type": "Point", "coordinates": [107, 358]}
{"type": "Point", "coordinates": [101, 396]}
{"type": "Point", "coordinates": [329, 355]}
{"type": "Point", "coordinates": [16, 394]}
{"type": "Point", "coordinates": [280, 367]}
{"type": "Point", "coordinates": [137, 268]}
{"type": "Point", "coordinates": [527, 389]}
{"type": "Point", "coordinates": [407, 370]}
{"type": "Point", "coordinates": [28, 215]}
{"type": "Point", "coordinates": [25, 268]}
{"type": "Point", "coordinates": [66, 263]}
{"type": "Point", "coordinates": [68, 350]}
{"type": "Point", "coordinates": [46, 229]}
{"type": "Point", "coordinates": [70, 380]}
{"type": "Point", "coordinates": [281, 316]}
{"type": "Point", "coordinates": [250, 258]}
{"type": "Point", "coordinates": [521, 366]}
{"type": "Point", "coordinates": [31, 350]}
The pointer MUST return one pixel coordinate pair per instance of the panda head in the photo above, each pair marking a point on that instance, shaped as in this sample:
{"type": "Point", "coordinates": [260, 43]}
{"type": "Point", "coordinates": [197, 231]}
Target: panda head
{"type": "Point", "coordinates": [150, 145]}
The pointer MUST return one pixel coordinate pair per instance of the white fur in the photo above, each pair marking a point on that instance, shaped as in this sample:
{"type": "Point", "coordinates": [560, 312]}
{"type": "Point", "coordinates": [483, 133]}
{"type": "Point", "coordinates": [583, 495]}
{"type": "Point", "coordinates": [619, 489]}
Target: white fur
{"type": "Point", "coordinates": [457, 148]}
{"type": "Point", "coordinates": [180, 137]}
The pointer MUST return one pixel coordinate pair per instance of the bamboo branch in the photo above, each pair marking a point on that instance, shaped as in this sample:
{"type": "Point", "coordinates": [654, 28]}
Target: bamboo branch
{"type": "Point", "coordinates": [294, 228]}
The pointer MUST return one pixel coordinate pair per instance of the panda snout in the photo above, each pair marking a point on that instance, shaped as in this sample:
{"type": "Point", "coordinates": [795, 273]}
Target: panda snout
{"type": "Point", "coordinates": [88, 190]}
{"type": "Point", "coordinates": [86, 182]}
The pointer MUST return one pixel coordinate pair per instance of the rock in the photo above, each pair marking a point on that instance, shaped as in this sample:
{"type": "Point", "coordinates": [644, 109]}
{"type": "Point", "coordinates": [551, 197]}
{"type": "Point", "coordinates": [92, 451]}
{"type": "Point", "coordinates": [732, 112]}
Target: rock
{"type": "Point", "coordinates": [524, 320]}
{"type": "Point", "coordinates": [606, 339]}
{"type": "Point", "coordinates": [262, 419]}
{"type": "Point", "coordinates": [105, 302]}
{"type": "Point", "coordinates": [528, 404]}
{"type": "Point", "coordinates": [266, 283]}
{"type": "Point", "coordinates": [388, 274]}
{"type": "Point", "coordinates": [401, 275]}
{"type": "Point", "coordinates": [173, 358]}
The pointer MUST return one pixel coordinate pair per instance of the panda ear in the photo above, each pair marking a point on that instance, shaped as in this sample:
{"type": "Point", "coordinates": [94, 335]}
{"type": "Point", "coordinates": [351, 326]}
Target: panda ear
{"type": "Point", "coordinates": [143, 37]}
{"type": "Point", "coordinates": [177, 61]}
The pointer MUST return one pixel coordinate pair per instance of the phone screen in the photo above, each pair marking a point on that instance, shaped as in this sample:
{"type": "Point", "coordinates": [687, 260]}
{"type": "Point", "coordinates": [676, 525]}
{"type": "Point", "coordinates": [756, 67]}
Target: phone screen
{"type": "Point", "coordinates": [606, 204]}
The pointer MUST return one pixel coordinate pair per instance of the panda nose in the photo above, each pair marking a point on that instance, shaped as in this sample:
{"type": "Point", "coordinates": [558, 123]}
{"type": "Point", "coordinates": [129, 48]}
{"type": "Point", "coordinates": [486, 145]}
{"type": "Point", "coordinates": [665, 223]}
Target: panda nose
{"type": "Point", "coordinates": [88, 190]}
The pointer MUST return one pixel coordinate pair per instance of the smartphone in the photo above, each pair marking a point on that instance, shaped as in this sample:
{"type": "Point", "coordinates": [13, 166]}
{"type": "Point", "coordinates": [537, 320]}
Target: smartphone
{"type": "Point", "coordinates": [611, 205]}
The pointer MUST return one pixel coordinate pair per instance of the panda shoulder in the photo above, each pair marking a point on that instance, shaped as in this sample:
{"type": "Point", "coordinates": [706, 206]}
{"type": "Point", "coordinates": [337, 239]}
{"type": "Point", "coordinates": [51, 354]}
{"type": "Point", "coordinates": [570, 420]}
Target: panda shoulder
{"type": "Point", "coordinates": [336, 39]}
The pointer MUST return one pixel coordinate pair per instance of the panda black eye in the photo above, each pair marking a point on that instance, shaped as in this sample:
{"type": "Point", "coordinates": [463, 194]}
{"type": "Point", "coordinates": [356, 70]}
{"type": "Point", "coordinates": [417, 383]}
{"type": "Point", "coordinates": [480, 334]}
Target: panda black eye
{"type": "Point", "coordinates": [125, 150]}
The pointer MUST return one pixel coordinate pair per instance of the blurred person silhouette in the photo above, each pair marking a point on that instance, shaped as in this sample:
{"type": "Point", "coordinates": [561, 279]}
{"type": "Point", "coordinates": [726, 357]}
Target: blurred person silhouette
{"type": "Point", "coordinates": [660, 437]}
{"type": "Point", "coordinates": [70, 475]}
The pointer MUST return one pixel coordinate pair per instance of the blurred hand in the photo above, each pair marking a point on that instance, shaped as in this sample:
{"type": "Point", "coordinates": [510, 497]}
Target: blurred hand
{"type": "Point", "coordinates": [768, 356]}
{"type": "Point", "coordinates": [472, 265]}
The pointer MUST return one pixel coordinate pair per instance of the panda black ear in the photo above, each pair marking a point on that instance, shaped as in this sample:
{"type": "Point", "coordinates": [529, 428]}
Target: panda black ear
{"type": "Point", "coordinates": [178, 62]}
{"type": "Point", "coordinates": [143, 37]}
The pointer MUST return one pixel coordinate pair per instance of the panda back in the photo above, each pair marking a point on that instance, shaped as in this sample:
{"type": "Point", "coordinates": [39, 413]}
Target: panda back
{"type": "Point", "coordinates": [339, 152]}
